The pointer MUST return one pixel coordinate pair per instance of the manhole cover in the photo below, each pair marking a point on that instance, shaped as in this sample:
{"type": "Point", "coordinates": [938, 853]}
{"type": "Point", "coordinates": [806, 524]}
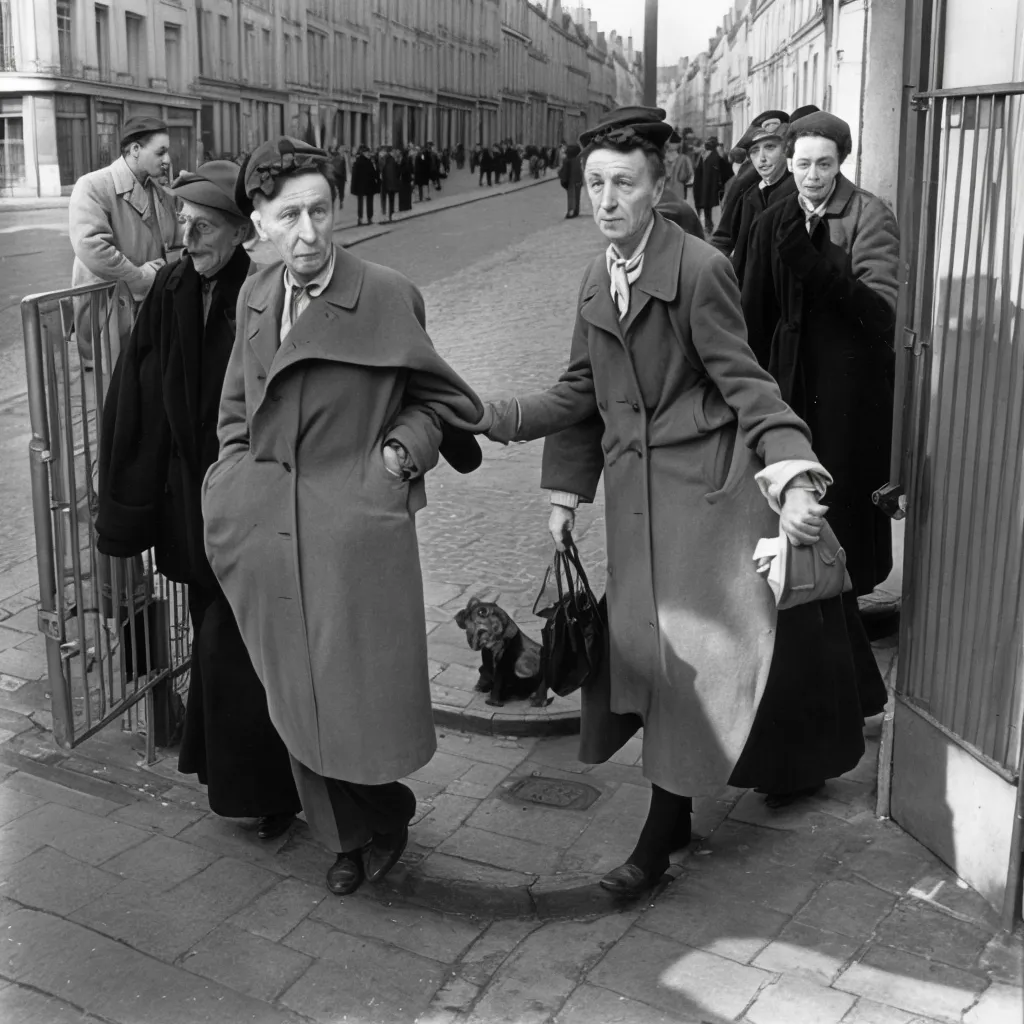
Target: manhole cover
{"type": "Point", "coordinates": [560, 793]}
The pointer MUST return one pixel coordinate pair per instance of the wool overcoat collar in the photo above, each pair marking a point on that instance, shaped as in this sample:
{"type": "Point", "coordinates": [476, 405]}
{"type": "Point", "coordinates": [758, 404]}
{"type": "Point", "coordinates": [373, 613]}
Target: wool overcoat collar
{"type": "Point", "coordinates": [659, 279]}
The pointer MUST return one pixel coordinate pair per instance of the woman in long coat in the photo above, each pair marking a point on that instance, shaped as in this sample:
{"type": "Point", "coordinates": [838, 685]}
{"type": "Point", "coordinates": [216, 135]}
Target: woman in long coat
{"type": "Point", "coordinates": [159, 437]}
{"type": "Point", "coordinates": [365, 183]}
{"type": "Point", "coordinates": [406, 174]}
{"type": "Point", "coordinates": [820, 308]}
{"type": "Point", "coordinates": [664, 397]}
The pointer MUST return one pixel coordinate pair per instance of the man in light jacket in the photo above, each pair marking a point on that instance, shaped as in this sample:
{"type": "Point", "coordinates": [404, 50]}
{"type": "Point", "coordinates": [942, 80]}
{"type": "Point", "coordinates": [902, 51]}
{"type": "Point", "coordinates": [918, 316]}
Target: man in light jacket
{"type": "Point", "coordinates": [122, 222]}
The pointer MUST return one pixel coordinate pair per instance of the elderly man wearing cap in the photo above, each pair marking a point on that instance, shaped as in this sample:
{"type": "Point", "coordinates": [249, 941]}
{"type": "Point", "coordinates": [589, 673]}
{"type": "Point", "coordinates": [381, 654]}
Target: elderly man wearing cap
{"type": "Point", "coordinates": [820, 304]}
{"type": "Point", "coordinates": [700, 456]}
{"type": "Point", "coordinates": [159, 437]}
{"type": "Point", "coordinates": [122, 222]}
{"type": "Point", "coordinates": [334, 408]}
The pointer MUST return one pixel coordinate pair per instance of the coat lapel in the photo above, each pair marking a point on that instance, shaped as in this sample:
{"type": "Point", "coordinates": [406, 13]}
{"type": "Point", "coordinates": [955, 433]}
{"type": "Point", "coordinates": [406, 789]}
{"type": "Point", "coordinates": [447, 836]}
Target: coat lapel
{"type": "Point", "coordinates": [187, 302]}
{"type": "Point", "coordinates": [660, 277]}
{"type": "Point", "coordinates": [266, 300]}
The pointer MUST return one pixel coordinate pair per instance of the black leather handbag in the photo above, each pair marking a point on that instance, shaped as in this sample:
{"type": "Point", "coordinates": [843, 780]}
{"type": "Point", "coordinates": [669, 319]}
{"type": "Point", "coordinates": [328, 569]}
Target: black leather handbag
{"type": "Point", "coordinates": [572, 639]}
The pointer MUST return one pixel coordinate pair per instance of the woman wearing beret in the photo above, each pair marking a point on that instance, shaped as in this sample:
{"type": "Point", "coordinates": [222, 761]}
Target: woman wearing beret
{"type": "Point", "coordinates": [819, 299]}
{"type": "Point", "coordinates": [700, 457]}
{"type": "Point", "coordinates": [158, 438]}
{"type": "Point", "coordinates": [335, 406]}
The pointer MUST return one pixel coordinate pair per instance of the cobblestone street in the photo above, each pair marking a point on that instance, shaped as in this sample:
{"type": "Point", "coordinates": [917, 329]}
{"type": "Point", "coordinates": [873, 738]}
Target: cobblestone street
{"type": "Point", "coordinates": [124, 900]}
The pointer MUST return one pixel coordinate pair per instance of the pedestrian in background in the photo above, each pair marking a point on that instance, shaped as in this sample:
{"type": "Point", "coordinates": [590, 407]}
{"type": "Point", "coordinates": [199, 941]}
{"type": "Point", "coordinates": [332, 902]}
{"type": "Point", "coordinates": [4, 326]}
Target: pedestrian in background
{"type": "Point", "coordinates": [121, 223]}
{"type": "Point", "coordinates": [819, 298]}
{"type": "Point", "coordinates": [707, 185]}
{"type": "Point", "coordinates": [339, 167]}
{"type": "Point", "coordinates": [680, 174]}
{"type": "Point", "coordinates": [406, 176]}
{"type": "Point", "coordinates": [570, 174]}
{"type": "Point", "coordinates": [460, 156]}
{"type": "Point", "coordinates": [664, 399]}
{"type": "Point", "coordinates": [335, 405]}
{"type": "Point", "coordinates": [737, 158]}
{"type": "Point", "coordinates": [159, 438]}
{"type": "Point", "coordinates": [390, 182]}
{"type": "Point", "coordinates": [423, 171]}
{"type": "Point", "coordinates": [484, 162]}
{"type": "Point", "coordinates": [365, 184]}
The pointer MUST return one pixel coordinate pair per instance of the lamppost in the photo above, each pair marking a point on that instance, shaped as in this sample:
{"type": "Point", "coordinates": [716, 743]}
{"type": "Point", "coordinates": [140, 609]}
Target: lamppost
{"type": "Point", "coordinates": [651, 53]}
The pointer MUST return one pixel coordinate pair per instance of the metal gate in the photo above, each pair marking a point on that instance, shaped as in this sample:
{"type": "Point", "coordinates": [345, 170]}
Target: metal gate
{"type": "Point", "coordinates": [114, 628]}
{"type": "Point", "coordinates": [955, 732]}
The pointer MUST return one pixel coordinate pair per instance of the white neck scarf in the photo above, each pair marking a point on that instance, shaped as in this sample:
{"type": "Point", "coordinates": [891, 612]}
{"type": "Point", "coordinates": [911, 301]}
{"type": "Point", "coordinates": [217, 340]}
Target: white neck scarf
{"type": "Point", "coordinates": [623, 272]}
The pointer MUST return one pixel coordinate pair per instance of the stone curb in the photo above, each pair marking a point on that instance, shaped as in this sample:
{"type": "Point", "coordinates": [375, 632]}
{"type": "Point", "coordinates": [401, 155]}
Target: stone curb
{"type": "Point", "coordinates": [561, 723]}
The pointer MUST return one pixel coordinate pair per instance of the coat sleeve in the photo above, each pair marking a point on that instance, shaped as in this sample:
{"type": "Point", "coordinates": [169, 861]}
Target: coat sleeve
{"type": "Point", "coordinates": [864, 289]}
{"type": "Point", "coordinates": [92, 239]}
{"type": "Point", "coordinates": [724, 236]}
{"type": "Point", "coordinates": [760, 302]}
{"type": "Point", "coordinates": [720, 338]}
{"type": "Point", "coordinates": [135, 441]}
{"type": "Point", "coordinates": [232, 421]}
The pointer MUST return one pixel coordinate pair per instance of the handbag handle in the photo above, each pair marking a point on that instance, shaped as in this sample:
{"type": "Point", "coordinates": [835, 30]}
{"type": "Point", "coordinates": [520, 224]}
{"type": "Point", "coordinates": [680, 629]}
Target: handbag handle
{"type": "Point", "coordinates": [572, 557]}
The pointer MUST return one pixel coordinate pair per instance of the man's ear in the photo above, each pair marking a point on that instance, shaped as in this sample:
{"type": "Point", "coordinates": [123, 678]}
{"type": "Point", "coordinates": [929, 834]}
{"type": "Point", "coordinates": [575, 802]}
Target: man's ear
{"type": "Point", "coordinates": [257, 221]}
{"type": "Point", "coordinates": [659, 190]}
{"type": "Point", "coordinates": [789, 164]}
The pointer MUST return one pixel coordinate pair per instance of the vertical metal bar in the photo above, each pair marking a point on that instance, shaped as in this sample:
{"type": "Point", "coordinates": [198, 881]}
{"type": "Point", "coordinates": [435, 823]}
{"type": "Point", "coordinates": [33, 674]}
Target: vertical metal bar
{"type": "Point", "coordinates": [39, 455]}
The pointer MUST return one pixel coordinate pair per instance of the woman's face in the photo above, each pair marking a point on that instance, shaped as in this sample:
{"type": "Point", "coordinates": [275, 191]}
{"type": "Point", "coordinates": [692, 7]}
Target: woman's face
{"type": "Point", "coordinates": [815, 164]}
{"type": "Point", "coordinates": [623, 192]}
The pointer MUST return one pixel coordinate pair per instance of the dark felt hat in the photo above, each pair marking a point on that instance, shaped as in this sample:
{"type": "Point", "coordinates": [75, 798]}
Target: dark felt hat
{"type": "Point", "coordinates": [826, 125]}
{"type": "Point", "coordinates": [278, 158]}
{"type": "Point", "coordinates": [212, 184]}
{"type": "Point", "coordinates": [769, 124]}
{"type": "Point", "coordinates": [136, 127]}
{"type": "Point", "coordinates": [803, 112]}
{"type": "Point", "coordinates": [629, 124]}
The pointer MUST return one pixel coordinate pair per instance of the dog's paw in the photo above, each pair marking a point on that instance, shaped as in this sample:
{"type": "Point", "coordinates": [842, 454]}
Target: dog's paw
{"type": "Point", "coordinates": [495, 703]}
{"type": "Point", "coordinates": [484, 685]}
{"type": "Point", "coordinates": [538, 701]}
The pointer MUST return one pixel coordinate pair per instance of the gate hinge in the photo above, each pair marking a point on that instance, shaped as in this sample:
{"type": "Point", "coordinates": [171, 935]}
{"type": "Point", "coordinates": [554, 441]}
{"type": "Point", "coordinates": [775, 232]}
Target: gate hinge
{"type": "Point", "coordinates": [912, 342]}
{"type": "Point", "coordinates": [920, 104]}
{"type": "Point", "coordinates": [49, 625]}
{"type": "Point", "coordinates": [891, 500]}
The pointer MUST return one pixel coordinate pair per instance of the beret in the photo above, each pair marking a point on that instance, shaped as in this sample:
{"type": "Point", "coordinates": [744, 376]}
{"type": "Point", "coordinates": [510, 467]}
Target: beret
{"type": "Point", "coordinates": [803, 112]}
{"type": "Point", "coordinates": [826, 125]}
{"type": "Point", "coordinates": [135, 127]}
{"type": "Point", "coordinates": [629, 124]}
{"type": "Point", "coordinates": [278, 158]}
{"type": "Point", "coordinates": [212, 184]}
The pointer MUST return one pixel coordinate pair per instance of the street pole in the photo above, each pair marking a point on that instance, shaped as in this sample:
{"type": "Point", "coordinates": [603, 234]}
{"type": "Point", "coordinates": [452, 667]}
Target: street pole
{"type": "Point", "coordinates": [651, 53]}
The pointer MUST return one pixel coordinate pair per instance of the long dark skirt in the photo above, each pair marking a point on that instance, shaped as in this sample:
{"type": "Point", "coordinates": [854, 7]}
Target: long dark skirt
{"type": "Point", "coordinates": [870, 685]}
{"type": "Point", "coordinates": [229, 740]}
{"type": "Point", "coordinates": [809, 725]}
{"type": "Point", "coordinates": [405, 198]}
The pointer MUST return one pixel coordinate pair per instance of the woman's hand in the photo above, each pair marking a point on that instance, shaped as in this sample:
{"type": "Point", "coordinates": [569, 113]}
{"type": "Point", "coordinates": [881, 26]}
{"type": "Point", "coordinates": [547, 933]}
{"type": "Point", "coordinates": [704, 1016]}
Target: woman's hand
{"type": "Point", "coordinates": [561, 524]}
{"type": "Point", "coordinates": [802, 517]}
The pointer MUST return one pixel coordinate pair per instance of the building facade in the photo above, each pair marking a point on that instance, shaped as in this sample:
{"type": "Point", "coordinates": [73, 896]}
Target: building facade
{"type": "Point", "coordinates": [226, 74]}
{"type": "Point", "coordinates": [841, 55]}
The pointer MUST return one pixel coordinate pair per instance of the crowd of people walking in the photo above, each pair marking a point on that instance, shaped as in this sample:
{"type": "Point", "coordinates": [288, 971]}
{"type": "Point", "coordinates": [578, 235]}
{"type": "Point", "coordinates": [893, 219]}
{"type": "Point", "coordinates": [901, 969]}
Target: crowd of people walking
{"type": "Point", "coordinates": [727, 390]}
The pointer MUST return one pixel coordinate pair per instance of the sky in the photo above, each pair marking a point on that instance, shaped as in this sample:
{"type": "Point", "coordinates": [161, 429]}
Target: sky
{"type": "Point", "coordinates": [683, 25]}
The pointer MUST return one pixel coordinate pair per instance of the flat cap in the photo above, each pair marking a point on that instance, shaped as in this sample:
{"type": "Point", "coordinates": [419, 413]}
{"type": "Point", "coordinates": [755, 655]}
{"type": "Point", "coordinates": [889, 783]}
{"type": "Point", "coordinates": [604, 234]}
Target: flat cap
{"type": "Point", "coordinates": [769, 124]}
{"type": "Point", "coordinates": [278, 158]}
{"type": "Point", "coordinates": [136, 127]}
{"type": "Point", "coordinates": [212, 184]}
{"type": "Point", "coordinates": [826, 125]}
{"type": "Point", "coordinates": [629, 124]}
{"type": "Point", "coordinates": [803, 112]}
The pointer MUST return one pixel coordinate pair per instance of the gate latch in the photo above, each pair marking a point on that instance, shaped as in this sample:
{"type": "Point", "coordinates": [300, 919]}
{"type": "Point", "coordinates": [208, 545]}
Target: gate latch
{"type": "Point", "coordinates": [49, 624]}
{"type": "Point", "coordinates": [891, 500]}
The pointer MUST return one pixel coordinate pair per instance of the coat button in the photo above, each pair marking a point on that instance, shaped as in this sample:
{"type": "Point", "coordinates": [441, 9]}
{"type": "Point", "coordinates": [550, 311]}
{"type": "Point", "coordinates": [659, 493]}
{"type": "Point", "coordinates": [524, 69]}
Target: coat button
{"type": "Point", "coordinates": [636, 407]}
{"type": "Point", "coordinates": [286, 467]}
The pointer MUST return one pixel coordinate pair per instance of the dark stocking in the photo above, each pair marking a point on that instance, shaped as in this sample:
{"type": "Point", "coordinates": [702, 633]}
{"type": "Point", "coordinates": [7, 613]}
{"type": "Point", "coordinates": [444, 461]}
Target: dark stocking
{"type": "Point", "coordinates": [667, 828]}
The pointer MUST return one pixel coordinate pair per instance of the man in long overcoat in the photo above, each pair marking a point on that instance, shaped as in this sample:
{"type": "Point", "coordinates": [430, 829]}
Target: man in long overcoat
{"type": "Point", "coordinates": [365, 183]}
{"type": "Point", "coordinates": [707, 182]}
{"type": "Point", "coordinates": [664, 397]}
{"type": "Point", "coordinates": [335, 405]}
{"type": "Point", "coordinates": [121, 223]}
{"type": "Point", "coordinates": [158, 438]}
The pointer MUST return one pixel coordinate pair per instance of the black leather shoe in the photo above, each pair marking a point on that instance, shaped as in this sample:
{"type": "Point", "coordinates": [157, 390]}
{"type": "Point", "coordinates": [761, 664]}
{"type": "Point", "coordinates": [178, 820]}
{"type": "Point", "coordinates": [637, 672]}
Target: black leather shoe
{"type": "Point", "coordinates": [383, 853]}
{"type": "Point", "coordinates": [777, 800]}
{"type": "Point", "coordinates": [270, 826]}
{"type": "Point", "coordinates": [630, 880]}
{"type": "Point", "coordinates": [346, 874]}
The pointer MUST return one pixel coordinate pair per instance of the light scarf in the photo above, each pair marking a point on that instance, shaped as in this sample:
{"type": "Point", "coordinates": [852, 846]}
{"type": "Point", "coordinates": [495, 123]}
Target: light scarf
{"type": "Point", "coordinates": [814, 214]}
{"type": "Point", "coordinates": [623, 273]}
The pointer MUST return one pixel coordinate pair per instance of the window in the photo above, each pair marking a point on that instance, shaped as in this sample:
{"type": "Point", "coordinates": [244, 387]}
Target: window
{"type": "Point", "coordinates": [355, 80]}
{"type": "Point", "coordinates": [814, 81]}
{"type": "Point", "coordinates": [251, 71]}
{"type": "Point", "coordinates": [64, 34]}
{"type": "Point", "coordinates": [172, 56]}
{"type": "Point", "coordinates": [339, 63]}
{"type": "Point", "coordinates": [225, 69]}
{"type": "Point", "coordinates": [267, 65]}
{"type": "Point", "coordinates": [103, 40]}
{"type": "Point", "coordinates": [12, 144]}
{"type": "Point", "coordinates": [72, 137]}
{"type": "Point", "coordinates": [135, 40]}
{"type": "Point", "coordinates": [204, 61]}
